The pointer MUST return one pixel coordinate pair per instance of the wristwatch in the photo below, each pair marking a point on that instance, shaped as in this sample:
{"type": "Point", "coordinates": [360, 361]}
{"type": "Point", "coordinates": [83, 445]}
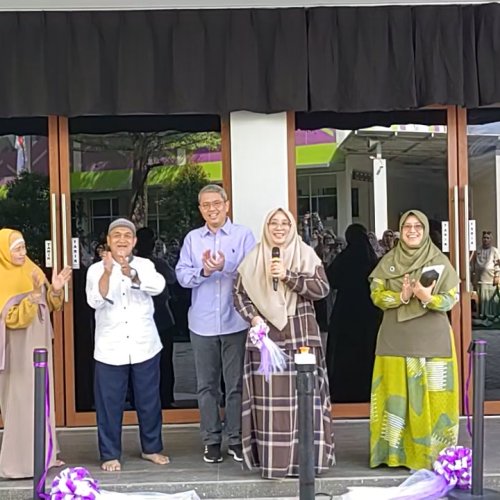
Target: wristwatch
{"type": "Point", "coordinates": [133, 274]}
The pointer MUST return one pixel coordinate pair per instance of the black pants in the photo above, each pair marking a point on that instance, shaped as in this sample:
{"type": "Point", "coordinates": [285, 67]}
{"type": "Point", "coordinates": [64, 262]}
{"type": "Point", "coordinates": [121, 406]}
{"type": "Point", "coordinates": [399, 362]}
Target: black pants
{"type": "Point", "coordinates": [110, 389]}
{"type": "Point", "coordinates": [167, 377]}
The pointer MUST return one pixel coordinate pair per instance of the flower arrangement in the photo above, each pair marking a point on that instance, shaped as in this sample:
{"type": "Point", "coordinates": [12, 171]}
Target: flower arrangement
{"type": "Point", "coordinates": [272, 358]}
{"type": "Point", "coordinates": [451, 469]}
{"type": "Point", "coordinates": [76, 483]}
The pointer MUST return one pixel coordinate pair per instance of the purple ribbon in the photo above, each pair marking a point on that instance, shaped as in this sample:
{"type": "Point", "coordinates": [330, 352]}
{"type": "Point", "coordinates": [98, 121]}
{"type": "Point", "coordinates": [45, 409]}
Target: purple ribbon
{"type": "Point", "coordinates": [41, 483]}
{"type": "Point", "coordinates": [265, 362]}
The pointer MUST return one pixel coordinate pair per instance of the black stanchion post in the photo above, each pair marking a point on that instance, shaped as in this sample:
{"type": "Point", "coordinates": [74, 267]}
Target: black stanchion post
{"type": "Point", "coordinates": [478, 353]}
{"type": "Point", "coordinates": [305, 362]}
{"type": "Point", "coordinates": [40, 366]}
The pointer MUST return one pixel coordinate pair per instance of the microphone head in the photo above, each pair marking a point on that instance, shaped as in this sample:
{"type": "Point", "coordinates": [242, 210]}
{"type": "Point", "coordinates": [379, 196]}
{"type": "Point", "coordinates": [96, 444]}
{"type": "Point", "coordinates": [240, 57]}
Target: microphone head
{"type": "Point", "coordinates": [275, 252]}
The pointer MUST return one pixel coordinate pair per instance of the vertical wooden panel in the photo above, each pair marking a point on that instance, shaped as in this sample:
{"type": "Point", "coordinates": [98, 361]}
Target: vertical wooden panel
{"type": "Point", "coordinates": [453, 204]}
{"type": "Point", "coordinates": [57, 317]}
{"type": "Point", "coordinates": [292, 164]}
{"type": "Point", "coordinates": [227, 182]}
{"type": "Point", "coordinates": [69, 306]}
{"type": "Point", "coordinates": [465, 297]}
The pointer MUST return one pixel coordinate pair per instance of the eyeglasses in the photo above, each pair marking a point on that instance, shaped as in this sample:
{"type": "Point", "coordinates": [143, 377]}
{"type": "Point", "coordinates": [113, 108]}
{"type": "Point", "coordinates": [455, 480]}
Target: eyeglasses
{"type": "Point", "coordinates": [416, 227]}
{"type": "Point", "coordinates": [216, 204]}
{"type": "Point", "coordinates": [275, 224]}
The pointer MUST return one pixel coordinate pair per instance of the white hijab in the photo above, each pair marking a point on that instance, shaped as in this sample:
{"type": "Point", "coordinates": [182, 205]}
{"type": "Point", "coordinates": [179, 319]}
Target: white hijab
{"type": "Point", "coordinates": [276, 306]}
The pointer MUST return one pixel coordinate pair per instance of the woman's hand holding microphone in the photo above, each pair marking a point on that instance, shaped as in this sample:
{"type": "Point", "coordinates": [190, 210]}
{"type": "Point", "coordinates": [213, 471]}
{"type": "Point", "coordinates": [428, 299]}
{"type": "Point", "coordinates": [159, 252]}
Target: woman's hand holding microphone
{"type": "Point", "coordinates": [277, 268]}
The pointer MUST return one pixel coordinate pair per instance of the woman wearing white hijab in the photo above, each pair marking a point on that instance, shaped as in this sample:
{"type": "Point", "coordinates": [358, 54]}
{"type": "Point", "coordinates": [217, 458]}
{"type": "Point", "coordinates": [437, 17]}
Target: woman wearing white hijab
{"type": "Point", "coordinates": [269, 427]}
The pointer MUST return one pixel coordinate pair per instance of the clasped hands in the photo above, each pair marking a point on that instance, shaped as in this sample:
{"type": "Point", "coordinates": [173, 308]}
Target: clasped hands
{"type": "Point", "coordinates": [58, 282]}
{"type": "Point", "coordinates": [413, 288]}
{"type": "Point", "coordinates": [212, 263]}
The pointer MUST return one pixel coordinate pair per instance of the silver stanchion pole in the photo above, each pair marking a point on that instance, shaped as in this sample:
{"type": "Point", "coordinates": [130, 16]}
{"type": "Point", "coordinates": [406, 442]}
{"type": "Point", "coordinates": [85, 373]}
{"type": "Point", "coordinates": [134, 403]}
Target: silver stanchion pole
{"type": "Point", "coordinates": [40, 365]}
{"type": "Point", "coordinates": [305, 363]}
{"type": "Point", "coordinates": [478, 353]}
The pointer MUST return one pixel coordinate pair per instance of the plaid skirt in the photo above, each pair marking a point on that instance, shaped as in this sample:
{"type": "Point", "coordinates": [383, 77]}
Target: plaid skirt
{"type": "Point", "coordinates": [270, 419]}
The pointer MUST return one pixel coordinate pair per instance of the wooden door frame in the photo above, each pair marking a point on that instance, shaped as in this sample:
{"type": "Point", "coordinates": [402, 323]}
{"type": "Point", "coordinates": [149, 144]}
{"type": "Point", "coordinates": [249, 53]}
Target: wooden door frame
{"type": "Point", "coordinates": [491, 407]}
{"type": "Point", "coordinates": [75, 418]}
{"type": "Point", "coordinates": [55, 234]}
{"type": "Point", "coordinates": [362, 410]}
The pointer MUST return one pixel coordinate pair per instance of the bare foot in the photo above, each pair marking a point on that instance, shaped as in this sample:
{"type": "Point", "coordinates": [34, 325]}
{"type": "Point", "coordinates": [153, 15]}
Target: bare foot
{"type": "Point", "coordinates": [111, 466]}
{"type": "Point", "coordinates": [156, 458]}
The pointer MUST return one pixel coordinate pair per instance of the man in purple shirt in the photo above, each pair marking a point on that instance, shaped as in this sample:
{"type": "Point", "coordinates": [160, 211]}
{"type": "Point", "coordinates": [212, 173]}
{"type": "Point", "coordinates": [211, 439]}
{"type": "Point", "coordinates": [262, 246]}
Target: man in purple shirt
{"type": "Point", "coordinates": [208, 262]}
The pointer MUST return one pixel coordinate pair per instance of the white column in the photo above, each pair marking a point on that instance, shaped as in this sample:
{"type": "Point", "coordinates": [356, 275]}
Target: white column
{"type": "Point", "coordinates": [380, 195]}
{"type": "Point", "coordinates": [344, 198]}
{"type": "Point", "coordinates": [259, 166]}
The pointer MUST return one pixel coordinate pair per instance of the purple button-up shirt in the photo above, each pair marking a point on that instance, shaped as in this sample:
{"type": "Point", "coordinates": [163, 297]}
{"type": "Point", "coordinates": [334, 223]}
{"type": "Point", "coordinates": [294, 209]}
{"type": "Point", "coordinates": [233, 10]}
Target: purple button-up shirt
{"type": "Point", "coordinates": [212, 311]}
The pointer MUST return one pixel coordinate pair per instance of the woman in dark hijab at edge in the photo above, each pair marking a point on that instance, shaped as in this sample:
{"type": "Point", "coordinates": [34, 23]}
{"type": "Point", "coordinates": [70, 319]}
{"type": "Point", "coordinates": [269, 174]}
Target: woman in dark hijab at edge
{"type": "Point", "coordinates": [355, 320]}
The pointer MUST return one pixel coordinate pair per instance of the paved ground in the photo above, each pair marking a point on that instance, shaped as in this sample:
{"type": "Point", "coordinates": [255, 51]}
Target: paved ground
{"type": "Point", "coordinates": [228, 479]}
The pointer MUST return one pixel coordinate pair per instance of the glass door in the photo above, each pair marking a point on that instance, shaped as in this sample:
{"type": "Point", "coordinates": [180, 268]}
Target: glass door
{"type": "Point", "coordinates": [479, 160]}
{"type": "Point", "coordinates": [29, 202]}
{"type": "Point", "coordinates": [148, 170]}
{"type": "Point", "coordinates": [371, 176]}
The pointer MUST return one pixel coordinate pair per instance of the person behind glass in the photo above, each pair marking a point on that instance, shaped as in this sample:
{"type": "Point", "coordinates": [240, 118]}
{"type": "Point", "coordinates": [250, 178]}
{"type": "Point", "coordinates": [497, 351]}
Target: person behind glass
{"type": "Point", "coordinates": [387, 241]}
{"type": "Point", "coordinates": [26, 299]}
{"type": "Point", "coordinates": [127, 346]}
{"type": "Point", "coordinates": [485, 271]}
{"type": "Point", "coordinates": [354, 323]}
{"type": "Point", "coordinates": [99, 252]}
{"type": "Point", "coordinates": [269, 428]}
{"type": "Point", "coordinates": [415, 391]}
{"type": "Point", "coordinates": [379, 251]}
{"type": "Point", "coordinates": [209, 258]}
{"type": "Point", "coordinates": [163, 316]}
{"type": "Point", "coordinates": [326, 251]}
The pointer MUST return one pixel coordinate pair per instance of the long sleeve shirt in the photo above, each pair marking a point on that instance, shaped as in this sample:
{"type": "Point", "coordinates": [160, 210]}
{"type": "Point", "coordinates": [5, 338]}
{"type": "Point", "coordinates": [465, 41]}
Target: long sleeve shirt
{"type": "Point", "coordinates": [302, 328]}
{"type": "Point", "coordinates": [125, 331]}
{"type": "Point", "coordinates": [212, 310]}
{"type": "Point", "coordinates": [23, 314]}
{"type": "Point", "coordinates": [388, 299]}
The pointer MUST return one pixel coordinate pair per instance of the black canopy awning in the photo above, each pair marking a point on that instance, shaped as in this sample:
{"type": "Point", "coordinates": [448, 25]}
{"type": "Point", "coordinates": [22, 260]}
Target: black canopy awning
{"type": "Point", "coordinates": [328, 59]}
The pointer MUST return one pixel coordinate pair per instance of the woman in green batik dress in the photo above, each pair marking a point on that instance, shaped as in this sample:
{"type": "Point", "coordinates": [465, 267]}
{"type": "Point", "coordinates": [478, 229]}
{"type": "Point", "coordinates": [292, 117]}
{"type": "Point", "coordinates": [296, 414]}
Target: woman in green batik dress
{"type": "Point", "coordinates": [415, 395]}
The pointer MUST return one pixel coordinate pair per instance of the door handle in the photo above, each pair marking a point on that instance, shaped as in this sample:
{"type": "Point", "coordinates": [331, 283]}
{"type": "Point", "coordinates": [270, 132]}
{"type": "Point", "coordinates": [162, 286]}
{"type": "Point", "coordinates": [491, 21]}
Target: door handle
{"type": "Point", "coordinates": [64, 242]}
{"type": "Point", "coordinates": [456, 224]}
{"type": "Point", "coordinates": [466, 239]}
{"type": "Point", "coordinates": [53, 216]}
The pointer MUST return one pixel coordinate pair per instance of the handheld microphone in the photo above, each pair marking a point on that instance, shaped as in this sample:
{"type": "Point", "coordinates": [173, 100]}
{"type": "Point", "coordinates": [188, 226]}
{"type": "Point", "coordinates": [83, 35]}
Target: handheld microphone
{"type": "Point", "coordinates": [275, 254]}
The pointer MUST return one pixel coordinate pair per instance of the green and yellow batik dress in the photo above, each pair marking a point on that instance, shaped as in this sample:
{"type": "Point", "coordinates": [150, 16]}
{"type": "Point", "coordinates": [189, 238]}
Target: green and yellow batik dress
{"type": "Point", "coordinates": [414, 411]}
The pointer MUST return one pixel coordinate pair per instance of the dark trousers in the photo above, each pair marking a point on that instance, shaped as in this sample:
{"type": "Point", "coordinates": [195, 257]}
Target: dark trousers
{"type": "Point", "coordinates": [167, 375]}
{"type": "Point", "coordinates": [110, 390]}
{"type": "Point", "coordinates": [212, 356]}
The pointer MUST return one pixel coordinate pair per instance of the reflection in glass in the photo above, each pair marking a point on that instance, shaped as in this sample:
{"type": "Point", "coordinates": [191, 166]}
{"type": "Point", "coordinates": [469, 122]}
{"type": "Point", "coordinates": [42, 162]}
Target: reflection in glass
{"type": "Point", "coordinates": [152, 178]}
{"type": "Point", "coordinates": [24, 190]}
{"type": "Point", "coordinates": [369, 176]}
{"type": "Point", "coordinates": [484, 176]}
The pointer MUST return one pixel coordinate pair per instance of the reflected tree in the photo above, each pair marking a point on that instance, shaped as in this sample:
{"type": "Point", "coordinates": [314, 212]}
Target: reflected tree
{"type": "Point", "coordinates": [26, 208]}
{"type": "Point", "coordinates": [144, 151]}
{"type": "Point", "coordinates": [178, 202]}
